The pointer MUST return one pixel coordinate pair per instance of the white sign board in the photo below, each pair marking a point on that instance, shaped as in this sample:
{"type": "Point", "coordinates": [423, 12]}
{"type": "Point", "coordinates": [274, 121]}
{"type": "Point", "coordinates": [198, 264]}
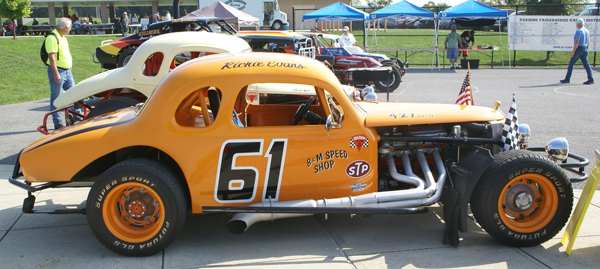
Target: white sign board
{"type": "Point", "coordinates": [549, 33]}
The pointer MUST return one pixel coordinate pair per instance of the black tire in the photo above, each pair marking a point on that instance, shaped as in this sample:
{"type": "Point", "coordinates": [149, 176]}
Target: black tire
{"type": "Point", "coordinates": [388, 63]}
{"type": "Point", "coordinates": [141, 185]}
{"type": "Point", "coordinates": [523, 199]}
{"type": "Point", "coordinates": [125, 56]}
{"type": "Point", "coordinates": [277, 25]}
{"type": "Point", "coordinates": [393, 82]}
{"type": "Point", "coordinates": [112, 104]}
{"type": "Point", "coordinates": [485, 28]}
{"type": "Point", "coordinates": [504, 27]}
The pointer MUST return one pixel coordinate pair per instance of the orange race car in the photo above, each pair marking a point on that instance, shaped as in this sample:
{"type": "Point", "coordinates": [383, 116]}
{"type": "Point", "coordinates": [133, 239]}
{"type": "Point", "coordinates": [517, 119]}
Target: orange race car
{"type": "Point", "coordinates": [202, 143]}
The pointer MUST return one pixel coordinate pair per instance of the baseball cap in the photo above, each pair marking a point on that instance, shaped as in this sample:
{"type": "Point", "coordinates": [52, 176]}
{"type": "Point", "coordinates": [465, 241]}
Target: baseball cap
{"type": "Point", "coordinates": [453, 27]}
{"type": "Point", "coordinates": [345, 29]}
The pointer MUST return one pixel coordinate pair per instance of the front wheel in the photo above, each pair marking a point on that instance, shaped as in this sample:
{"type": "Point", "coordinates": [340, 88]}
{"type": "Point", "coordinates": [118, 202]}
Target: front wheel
{"type": "Point", "coordinates": [390, 84]}
{"type": "Point", "coordinates": [136, 208]}
{"type": "Point", "coordinates": [523, 199]}
{"type": "Point", "coordinates": [277, 25]}
{"type": "Point", "coordinates": [125, 56]}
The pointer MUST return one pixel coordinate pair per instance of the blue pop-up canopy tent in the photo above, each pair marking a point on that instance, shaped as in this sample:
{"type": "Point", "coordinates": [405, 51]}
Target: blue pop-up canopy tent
{"type": "Point", "coordinates": [338, 12]}
{"type": "Point", "coordinates": [474, 9]}
{"type": "Point", "coordinates": [402, 8]}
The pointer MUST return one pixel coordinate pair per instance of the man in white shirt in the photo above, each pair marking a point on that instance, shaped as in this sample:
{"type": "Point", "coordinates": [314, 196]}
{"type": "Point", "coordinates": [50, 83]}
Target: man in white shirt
{"type": "Point", "coordinates": [347, 39]}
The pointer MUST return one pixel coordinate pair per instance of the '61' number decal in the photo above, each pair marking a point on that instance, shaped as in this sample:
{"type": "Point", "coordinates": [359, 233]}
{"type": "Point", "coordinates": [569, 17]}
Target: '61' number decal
{"type": "Point", "coordinates": [238, 184]}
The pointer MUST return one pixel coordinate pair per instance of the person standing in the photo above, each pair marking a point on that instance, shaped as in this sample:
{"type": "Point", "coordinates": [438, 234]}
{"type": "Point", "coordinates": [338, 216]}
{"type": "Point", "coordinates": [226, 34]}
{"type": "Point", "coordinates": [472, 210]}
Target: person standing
{"type": "Point", "coordinates": [59, 65]}
{"type": "Point", "coordinates": [451, 46]}
{"type": "Point", "coordinates": [168, 16]}
{"type": "Point", "coordinates": [582, 38]}
{"type": "Point", "coordinates": [347, 39]}
{"type": "Point", "coordinates": [465, 38]}
{"type": "Point", "coordinates": [155, 17]}
{"type": "Point", "coordinates": [124, 23]}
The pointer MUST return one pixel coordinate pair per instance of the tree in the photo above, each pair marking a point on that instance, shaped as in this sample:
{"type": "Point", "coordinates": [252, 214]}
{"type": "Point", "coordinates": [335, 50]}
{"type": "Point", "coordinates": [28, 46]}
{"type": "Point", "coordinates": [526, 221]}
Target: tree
{"type": "Point", "coordinates": [15, 9]}
{"type": "Point", "coordinates": [379, 3]}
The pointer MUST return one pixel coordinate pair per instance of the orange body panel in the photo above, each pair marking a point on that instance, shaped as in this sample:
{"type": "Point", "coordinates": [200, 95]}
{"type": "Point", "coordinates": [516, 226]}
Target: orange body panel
{"type": "Point", "coordinates": [314, 161]}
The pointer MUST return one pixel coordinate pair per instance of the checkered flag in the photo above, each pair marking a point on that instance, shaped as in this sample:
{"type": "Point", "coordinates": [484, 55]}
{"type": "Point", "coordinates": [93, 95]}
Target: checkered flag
{"type": "Point", "coordinates": [510, 131]}
{"type": "Point", "coordinates": [464, 96]}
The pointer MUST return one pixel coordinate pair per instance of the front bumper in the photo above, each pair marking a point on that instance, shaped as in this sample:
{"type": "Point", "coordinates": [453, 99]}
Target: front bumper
{"type": "Point", "coordinates": [574, 167]}
{"type": "Point", "coordinates": [106, 60]}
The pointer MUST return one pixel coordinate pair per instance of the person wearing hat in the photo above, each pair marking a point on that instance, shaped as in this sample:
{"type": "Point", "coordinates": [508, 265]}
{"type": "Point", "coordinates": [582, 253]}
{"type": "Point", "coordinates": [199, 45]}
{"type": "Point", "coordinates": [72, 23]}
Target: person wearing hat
{"type": "Point", "coordinates": [451, 46]}
{"type": "Point", "coordinates": [582, 38]}
{"type": "Point", "coordinates": [465, 38]}
{"type": "Point", "coordinates": [124, 22]}
{"type": "Point", "coordinates": [347, 39]}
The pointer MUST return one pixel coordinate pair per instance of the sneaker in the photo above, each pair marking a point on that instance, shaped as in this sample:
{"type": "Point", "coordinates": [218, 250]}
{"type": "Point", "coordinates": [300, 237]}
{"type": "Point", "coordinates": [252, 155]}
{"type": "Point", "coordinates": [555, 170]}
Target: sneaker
{"type": "Point", "coordinates": [452, 66]}
{"type": "Point", "coordinates": [564, 81]}
{"type": "Point", "coordinates": [58, 126]}
{"type": "Point", "coordinates": [588, 83]}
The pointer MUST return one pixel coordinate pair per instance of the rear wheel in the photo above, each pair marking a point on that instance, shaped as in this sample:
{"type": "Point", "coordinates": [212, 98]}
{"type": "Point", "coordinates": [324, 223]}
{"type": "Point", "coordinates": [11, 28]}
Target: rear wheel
{"type": "Point", "coordinates": [125, 56]}
{"type": "Point", "coordinates": [504, 27]}
{"type": "Point", "coordinates": [390, 84]}
{"type": "Point", "coordinates": [112, 104]}
{"type": "Point", "coordinates": [485, 28]}
{"type": "Point", "coordinates": [523, 199]}
{"type": "Point", "coordinates": [136, 208]}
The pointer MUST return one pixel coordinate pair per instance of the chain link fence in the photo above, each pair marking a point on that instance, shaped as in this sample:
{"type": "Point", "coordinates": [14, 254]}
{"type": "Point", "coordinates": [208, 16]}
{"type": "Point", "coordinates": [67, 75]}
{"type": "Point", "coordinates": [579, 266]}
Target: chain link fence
{"type": "Point", "coordinates": [484, 34]}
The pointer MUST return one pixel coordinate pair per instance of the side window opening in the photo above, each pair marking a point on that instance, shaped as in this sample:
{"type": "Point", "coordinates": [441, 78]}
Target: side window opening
{"type": "Point", "coordinates": [200, 108]}
{"type": "Point", "coordinates": [153, 63]}
{"type": "Point", "coordinates": [283, 104]}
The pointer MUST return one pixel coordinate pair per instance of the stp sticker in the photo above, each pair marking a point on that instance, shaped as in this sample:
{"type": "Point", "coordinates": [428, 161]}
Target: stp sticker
{"type": "Point", "coordinates": [358, 169]}
{"type": "Point", "coordinates": [250, 96]}
{"type": "Point", "coordinates": [359, 141]}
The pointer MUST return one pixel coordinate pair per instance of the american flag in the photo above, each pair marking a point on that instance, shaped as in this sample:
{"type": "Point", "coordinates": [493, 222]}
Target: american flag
{"type": "Point", "coordinates": [510, 131]}
{"type": "Point", "coordinates": [464, 96]}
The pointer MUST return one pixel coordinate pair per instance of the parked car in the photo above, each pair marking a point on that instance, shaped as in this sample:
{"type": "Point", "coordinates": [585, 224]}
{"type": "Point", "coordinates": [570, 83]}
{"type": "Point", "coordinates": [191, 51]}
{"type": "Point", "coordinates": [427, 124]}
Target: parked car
{"type": "Point", "coordinates": [199, 146]}
{"type": "Point", "coordinates": [592, 11]}
{"type": "Point", "coordinates": [113, 54]}
{"type": "Point", "coordinates": [502, 23]}
{"type": "Point", "coordinates": [413, 23]}
{"type": "Point", "coordinates": [124, 87]}
{"type": "Point", "coordinates": [401, 23]}
{"type": "Point", "coordinates": [329, 44]}
{"type": "Point", "coordinates": [307, 45]}
{"type": "Point", "coordinates": [428, 23]}
{"type": "Point", "coordinates": [480, 24]}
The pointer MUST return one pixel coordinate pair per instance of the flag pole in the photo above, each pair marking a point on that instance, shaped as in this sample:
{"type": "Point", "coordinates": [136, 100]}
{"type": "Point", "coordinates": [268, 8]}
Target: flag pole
{"type": "Point", "coordinates": [470, 85]}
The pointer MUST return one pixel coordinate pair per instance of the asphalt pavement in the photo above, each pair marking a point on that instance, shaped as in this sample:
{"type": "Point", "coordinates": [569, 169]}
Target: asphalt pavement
{"type": "Point", "coordinates": [340, 240]}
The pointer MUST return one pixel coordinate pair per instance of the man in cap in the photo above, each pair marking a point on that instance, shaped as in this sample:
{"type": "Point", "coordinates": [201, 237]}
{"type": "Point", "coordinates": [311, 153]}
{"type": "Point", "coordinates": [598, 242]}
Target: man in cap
{"type": "Point", "coordinates": [347, 39]}
{"type": "Point", "coordinates": [582, 38]}
{"type": "Point", "coordinates": [465, 38]}
{"type": "Point", "coordinates": [451, 46]}
{"type": "Point", "coordinates": [59, 64]}
{"type": "Point", "coordinates": [124, 23]}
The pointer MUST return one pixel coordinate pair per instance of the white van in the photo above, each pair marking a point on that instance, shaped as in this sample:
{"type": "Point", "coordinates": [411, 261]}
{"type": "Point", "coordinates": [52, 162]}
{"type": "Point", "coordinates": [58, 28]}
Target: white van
{"type": "Point", "coordinates": [267, 11]}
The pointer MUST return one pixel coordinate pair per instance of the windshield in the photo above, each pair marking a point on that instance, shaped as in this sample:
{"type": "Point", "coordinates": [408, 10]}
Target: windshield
{"type": "Point", "coordinates": [354, 50]}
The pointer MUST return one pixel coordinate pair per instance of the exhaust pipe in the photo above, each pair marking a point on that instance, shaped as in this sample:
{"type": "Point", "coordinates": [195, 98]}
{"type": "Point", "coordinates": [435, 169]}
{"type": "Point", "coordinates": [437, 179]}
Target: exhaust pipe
{"type": "Point", "coordinates": [393, 199]}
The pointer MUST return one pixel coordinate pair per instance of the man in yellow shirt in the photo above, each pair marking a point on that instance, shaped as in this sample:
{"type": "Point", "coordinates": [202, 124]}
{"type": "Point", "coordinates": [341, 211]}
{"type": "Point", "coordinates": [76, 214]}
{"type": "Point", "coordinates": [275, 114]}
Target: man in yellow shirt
{"type": "Point", "coordinates": [59, 65]}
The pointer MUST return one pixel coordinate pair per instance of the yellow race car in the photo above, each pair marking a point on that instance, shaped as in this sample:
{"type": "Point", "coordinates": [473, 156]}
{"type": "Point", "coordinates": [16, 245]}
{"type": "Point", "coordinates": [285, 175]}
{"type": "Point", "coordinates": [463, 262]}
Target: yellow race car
{"type": "Point", "coordinates": [201, 143]}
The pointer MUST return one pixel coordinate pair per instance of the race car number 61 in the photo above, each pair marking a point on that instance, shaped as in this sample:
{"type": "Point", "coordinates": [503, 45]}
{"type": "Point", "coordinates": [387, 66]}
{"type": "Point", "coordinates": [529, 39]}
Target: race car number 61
{"type": "Point", "coordinates": [238, 184]}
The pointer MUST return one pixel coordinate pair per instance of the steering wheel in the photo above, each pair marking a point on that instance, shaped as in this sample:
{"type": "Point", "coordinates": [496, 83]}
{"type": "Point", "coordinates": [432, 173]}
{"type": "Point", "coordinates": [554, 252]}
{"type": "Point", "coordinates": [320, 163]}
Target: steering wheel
{"type": "Point", "coordinates": [302, 110]}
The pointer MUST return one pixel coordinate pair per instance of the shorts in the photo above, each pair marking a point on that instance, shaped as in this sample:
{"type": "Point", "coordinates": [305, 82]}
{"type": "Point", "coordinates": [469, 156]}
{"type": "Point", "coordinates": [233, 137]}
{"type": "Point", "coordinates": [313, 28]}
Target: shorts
{"type": "Point", "coordinates": [464, 52]}
{"type": "Point", "coordinates": [452, 53]}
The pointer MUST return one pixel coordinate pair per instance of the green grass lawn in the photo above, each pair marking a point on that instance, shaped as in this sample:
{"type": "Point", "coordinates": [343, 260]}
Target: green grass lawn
{"type": "Point", "coordinates": [24, 77]}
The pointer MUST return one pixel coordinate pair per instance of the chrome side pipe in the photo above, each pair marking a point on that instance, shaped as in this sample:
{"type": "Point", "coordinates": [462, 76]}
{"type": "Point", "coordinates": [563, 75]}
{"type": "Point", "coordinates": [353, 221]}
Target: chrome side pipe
{"type": "Point", "coordinates": [393, 199]}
